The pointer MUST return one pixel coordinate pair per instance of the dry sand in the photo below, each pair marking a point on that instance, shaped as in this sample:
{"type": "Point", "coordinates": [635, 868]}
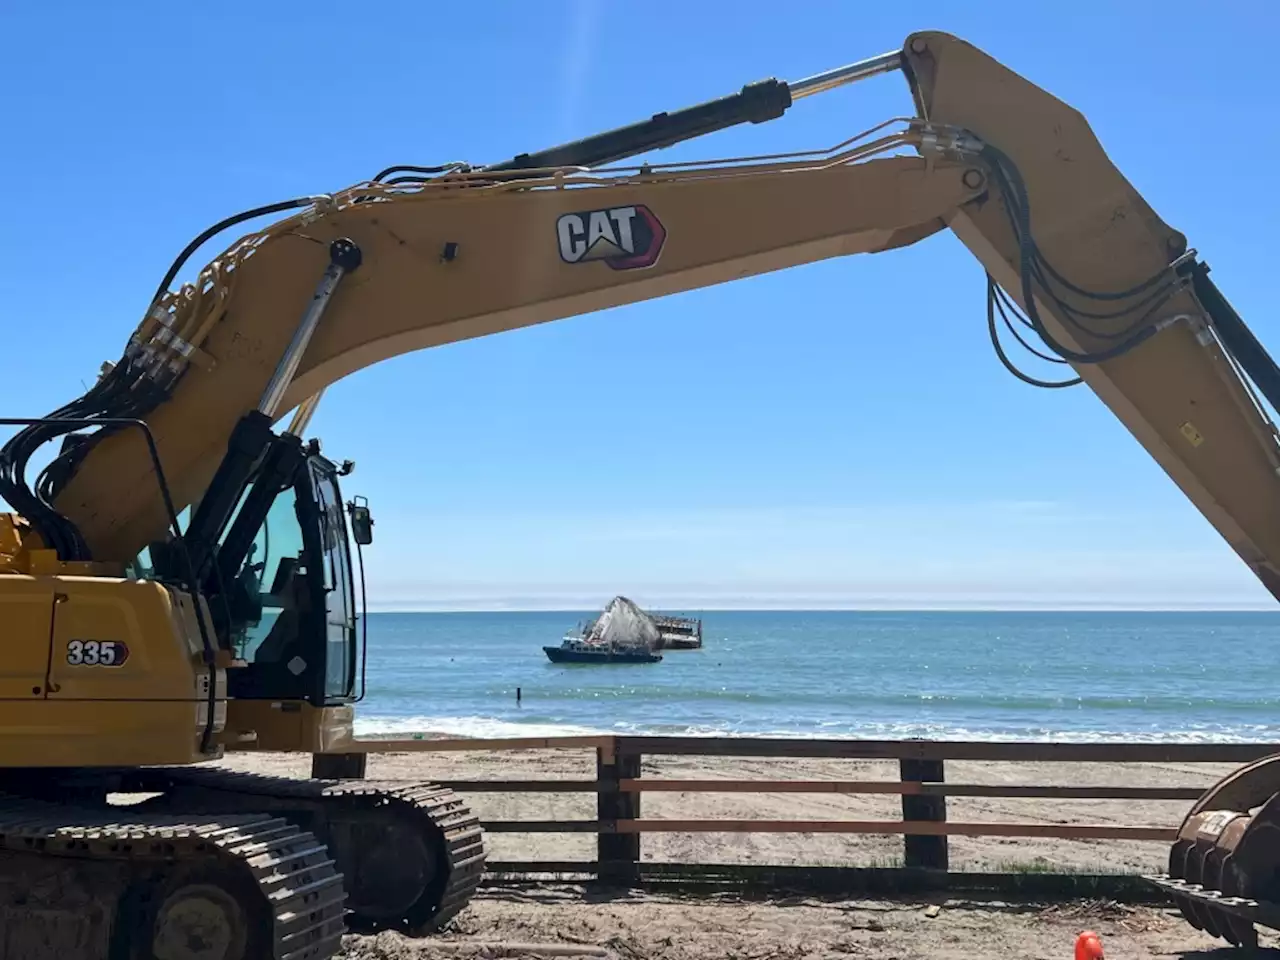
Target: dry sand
{"type": "Point", "coordinates": [635, 926]}
{"type": "Point", "coordinates": [651, 927]}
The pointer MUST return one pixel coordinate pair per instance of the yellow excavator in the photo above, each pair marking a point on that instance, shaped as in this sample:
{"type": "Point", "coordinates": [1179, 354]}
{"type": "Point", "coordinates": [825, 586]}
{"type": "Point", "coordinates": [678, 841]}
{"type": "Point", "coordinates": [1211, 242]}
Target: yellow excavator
{"type": "Point", "coordinates": [177, 581]}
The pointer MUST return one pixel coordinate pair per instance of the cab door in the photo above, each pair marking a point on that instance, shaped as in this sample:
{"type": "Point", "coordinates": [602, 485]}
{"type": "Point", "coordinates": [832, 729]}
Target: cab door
{"type": "Point", "coordinates": [339, 612]}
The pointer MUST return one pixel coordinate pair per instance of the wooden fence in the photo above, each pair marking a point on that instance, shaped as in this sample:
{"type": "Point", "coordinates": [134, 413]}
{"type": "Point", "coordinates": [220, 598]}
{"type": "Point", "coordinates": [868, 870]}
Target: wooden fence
{"type": "Point", "coordinates": [921, 784]}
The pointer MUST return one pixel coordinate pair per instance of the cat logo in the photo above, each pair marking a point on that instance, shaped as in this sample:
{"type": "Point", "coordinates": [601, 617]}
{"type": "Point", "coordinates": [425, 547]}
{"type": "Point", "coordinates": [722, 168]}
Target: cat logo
{"type": "Point", "coordinates": [626, 238]}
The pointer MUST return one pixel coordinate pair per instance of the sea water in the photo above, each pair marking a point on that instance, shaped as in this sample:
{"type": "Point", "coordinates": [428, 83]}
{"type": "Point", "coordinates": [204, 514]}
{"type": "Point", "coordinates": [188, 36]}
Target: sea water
{"type": "Point", "coordinates": [990, 676]}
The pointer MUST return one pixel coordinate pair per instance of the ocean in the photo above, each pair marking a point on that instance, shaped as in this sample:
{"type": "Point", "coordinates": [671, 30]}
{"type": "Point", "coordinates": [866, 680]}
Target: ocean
{"type": "Point", "coordinates": [1174, 677]}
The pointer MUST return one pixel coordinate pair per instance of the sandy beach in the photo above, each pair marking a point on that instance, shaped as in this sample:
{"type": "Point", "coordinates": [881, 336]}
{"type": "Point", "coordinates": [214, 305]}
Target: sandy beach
{"type": "Point", "coordinates": [646, 925]}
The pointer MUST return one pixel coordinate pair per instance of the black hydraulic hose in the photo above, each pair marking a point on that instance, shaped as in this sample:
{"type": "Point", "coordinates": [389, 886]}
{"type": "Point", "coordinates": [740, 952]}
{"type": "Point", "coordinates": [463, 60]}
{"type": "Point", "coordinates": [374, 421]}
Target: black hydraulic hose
{"type": "Point", "coordinates": [1007, 171]}
{"type": "Point", "coordinates": [218, 227]}
{"type": "Point", "coordinates": [424, 171]}
{"type": "Point", "coordinates": [1020, 211]}
{"type": "Point", "coordinates": [1010, 365]}
{"type": "Point", "coordinates": [408, 178]}
{"type": "Point", "coordinates": [1017, 209]}
{"type": "Point", "coordinates": [998, 297]}
{"type": "Point", "coordinates": [115, 396]}
{"type": "Point", "coordinates": [109, 398]}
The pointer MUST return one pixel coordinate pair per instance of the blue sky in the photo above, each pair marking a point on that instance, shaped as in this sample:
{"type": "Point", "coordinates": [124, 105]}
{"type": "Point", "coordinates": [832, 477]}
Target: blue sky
{"type": "Point", "coordinates": [835, 435]}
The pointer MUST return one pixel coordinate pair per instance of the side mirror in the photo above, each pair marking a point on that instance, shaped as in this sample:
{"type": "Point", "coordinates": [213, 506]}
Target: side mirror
{"type": "Point", "coordinates": [361, 522]}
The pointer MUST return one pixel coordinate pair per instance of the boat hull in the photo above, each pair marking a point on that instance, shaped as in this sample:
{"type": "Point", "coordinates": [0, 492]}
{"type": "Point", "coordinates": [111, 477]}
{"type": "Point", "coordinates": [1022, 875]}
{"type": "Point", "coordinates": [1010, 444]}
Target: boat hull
{"type": "Point", "coordinates": [561, 655]}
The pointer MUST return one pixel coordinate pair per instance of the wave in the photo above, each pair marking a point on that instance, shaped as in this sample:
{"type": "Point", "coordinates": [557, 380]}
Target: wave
{"type": "Point", "coordinates": [473, 727]}
{"type": "Point", "coordinates": [979, 701]}
{"type": "Point", "coordinates": [479, 727]}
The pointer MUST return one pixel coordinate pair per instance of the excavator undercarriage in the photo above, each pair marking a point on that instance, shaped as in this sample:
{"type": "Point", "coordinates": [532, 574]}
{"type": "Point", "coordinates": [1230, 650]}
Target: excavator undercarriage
{"type": "Point", "coordinates": [189, 863]}
{"type": "Point", "coordinates": [88, 883]}
{"type": "Point", "coordinates": [411, 854]}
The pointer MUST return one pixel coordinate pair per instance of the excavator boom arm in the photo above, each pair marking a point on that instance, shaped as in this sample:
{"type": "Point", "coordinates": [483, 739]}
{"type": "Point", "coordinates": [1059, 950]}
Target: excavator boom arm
{"type": "Point", "coordinates": [1016, 174]}
{"type": "Point", "coordinates": [465, 256]}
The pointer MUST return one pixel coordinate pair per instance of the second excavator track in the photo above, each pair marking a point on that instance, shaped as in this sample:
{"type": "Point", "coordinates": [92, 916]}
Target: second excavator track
{"type": "Point", "coordinates": [95, 883]}
{"type": "Point", "coordinates": [411, 853]}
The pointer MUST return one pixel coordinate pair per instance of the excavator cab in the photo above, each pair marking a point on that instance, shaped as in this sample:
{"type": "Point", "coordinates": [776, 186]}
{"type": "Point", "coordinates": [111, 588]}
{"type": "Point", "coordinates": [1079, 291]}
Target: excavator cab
{"type": "Point", "coordinates": [290, 616]}
{"type": "Point", "coordinates": [279, 582]}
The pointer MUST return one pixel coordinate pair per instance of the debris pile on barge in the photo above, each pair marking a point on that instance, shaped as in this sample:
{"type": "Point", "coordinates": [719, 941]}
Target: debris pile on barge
{"type": "Point", "coordinates": [623, 623]}
{"type": "Point", "coordinates": [623, 633]}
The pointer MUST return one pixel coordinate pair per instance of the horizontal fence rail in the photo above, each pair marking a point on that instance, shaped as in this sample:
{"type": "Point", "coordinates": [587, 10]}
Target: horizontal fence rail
{"type": "Point", "coordinates": [921, 786]}
{"type": "Point", "coordinates": [795, 749]}
{"type": "Point", "coordinates": [826, 786]}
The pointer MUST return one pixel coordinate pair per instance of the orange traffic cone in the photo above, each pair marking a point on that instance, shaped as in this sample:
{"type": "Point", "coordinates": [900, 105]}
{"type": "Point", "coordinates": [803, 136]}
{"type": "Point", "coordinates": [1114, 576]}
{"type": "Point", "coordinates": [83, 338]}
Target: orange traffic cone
{"type": "Point", "coordinates": [1089, 946]}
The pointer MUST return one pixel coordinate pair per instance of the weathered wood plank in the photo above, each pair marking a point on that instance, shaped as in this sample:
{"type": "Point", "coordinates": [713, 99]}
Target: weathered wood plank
{"type": "Point", "coordinates": [895, 787]}
{"type": "Point", "coordinates": [1060, 831]}
{"type": "Point", "coordinates": [521, 786]}
{"type": "Point", "coordinates": [948, 750]}
{"type": "Point", "coordinates": [546, 826]}
{"type": "Point", "coordinates": [376, 745]}
{"type": "Point", "coordinates": [771, 881]}
{"type": "Point", "coordinates": [541, 866]}
{"type": "Point", "coordinates": [848, 749]}
{"type": "Point", "coordinates": [924, 850]}
{"type": "Point", "coordinates": [618, 852]}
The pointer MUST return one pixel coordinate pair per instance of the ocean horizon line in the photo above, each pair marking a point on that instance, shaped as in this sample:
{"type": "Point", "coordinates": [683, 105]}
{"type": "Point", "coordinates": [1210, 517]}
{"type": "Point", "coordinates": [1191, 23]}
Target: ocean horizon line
{"type": "Point", "coordinates": [722, 607]}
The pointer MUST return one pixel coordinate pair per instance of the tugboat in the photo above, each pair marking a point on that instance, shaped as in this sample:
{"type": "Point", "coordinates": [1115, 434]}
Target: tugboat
{"type": "Point", "coordinates": [578, 650]}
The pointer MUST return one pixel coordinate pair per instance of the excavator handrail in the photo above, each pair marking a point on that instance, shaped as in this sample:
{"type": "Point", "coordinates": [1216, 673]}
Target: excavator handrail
{"type": "Point", "coordinates": [82, 423]}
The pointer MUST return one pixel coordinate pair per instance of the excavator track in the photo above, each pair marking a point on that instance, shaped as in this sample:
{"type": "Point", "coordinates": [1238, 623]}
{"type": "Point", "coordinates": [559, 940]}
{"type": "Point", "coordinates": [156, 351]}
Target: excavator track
{"type": "Point", "coordinates": [95, 883]}
{"type": "Point", "coordinates": [1224, 868]}
{"type": "Point", "coordinates": [411, 853]}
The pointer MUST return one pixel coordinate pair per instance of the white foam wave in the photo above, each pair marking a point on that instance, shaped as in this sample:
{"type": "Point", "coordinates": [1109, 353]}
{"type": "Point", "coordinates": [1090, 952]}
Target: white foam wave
{"type": "Point", "coordinates": [470, 727]}
{"type": "Point", "coordinates": [492, 728]}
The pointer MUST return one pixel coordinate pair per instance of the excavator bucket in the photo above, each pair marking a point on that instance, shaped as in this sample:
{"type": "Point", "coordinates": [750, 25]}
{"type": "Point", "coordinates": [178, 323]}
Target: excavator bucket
{"type": "Point", "coordinates": [1224, 867]}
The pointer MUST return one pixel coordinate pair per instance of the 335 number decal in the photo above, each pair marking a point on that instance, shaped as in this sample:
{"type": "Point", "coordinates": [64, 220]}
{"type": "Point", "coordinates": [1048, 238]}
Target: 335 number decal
{"type": "Point", "coordinates": [97, 653]}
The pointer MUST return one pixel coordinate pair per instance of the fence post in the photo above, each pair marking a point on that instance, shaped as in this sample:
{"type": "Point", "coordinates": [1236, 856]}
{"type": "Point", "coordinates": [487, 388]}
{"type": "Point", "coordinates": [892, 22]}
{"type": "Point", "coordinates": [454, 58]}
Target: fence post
{"type": "Point", "coordinates": [618, 853]}
{"type": "Point", "coordinates": [918, 850]}
{"type": "Point", "coordinates": [339, 766]}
